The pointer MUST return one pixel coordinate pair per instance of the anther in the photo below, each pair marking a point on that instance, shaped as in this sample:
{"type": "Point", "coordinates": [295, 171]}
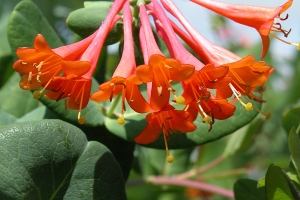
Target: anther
{"type": "Point", "coordinates": [81, 120]}
{"type": "Point", "coordinates": [238, 95]}
{"type": "Point", "coordinates": [180, 100]}
{"type": "Point", "coordinates": [169, 158]}
{"type": "Point", "coordinates": [121, 120]}
{"type": "Point", "coordinates": [23, 63]}
{"type": "Point", "coordinates": [39, 66]}
{"type": "Point", "coordinates": [206, 118]}
{"type": "Point", "coordinates": [267, 115]}
{"type": "Point", "coordinates": [159, 90]}
{"type": "Point", "coordinates": [38, 77]}
{"type": "Point", "coordinates": [29, 76]}
{"type": "Point", "coordinates": [36, 94]}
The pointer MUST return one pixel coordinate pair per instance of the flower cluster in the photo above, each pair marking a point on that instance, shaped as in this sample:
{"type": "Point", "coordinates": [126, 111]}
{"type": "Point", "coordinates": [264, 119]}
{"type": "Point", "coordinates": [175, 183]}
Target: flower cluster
{"type": "Point", "coordinates": [207, 83]}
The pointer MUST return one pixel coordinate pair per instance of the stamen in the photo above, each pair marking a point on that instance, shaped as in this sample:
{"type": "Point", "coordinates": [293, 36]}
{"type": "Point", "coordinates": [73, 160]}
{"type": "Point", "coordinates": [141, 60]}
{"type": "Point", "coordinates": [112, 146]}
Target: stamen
{"type": "Point", "coordinates": [38, 77]}
{"type": "Point", "coordinates": [290, 43]}
{"type": "Point", "coordinates": [159, 90]}
{"type": "Point", "coordinates": [238, 95]}
{"type": "Point", "coordinates": [206, 118]}
{"type": "Point", "coordinates": [121, 120]}
{"type": "Point", "coordinates": [29, 76]}
{"type": "Point", "coordinates": [39, 66]}
{"type": "Point", "coordinates": [81, 120]}
{"type": "Point", "coordinates": [285, 18]}
{"type": "Point", "coordinates": [170, 158]}
{"type": "Point", "coordinates": [23, 63]}
{"type": "Point", "coordinates": [267, 115]}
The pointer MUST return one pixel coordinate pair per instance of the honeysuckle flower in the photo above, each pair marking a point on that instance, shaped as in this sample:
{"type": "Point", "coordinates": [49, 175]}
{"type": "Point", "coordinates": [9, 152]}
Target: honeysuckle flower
{"type": "Point", "coordinates": [158, 70]}
{"type": "Point", "coordinates": [166, 32]}
{"type": "Point", "coordinates": [166, 121]}
{"type": "Point", "coordinates": [254, 73]}
{"type": "Point", "coordinates": [211, 109]}
{"type": "Point", "coordinates": [124, 79]}
{"type": "Point", "coordinates": [75, 89]}
{"type": "Point", "coordinates": [40, 64]}
{"type": "Point", "coordinates": [75, 84]}
{"type": "Point", "coordinates": [258, 17]}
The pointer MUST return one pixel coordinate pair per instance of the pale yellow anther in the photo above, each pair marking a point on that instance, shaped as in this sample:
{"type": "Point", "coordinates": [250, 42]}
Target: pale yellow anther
{"type": "Point", "coordinates": [39, 66]}
{"type": "Point", "coordinates": [249, 106]}
{"type": "Point", "coordinates": [296, 45]}
{"type": "Point", "coordinates": [180, 100]}
{"type": "Point", "coordinates": [36, 94]}
{"type": "Point", "coordinates": [38, 77]}
{"type": "Point", "coordinates": [159, 90]}
{"type": "Point", "coordinates": [170, 159]}
{"type": "Point", "coordinates": [29, 76]}
{"type": "Point", "coordinates": [121, 121]}
{"type": "Point", "coordinates": [206, 119]}
{"type": "Point", "coordinates": [81, 120]}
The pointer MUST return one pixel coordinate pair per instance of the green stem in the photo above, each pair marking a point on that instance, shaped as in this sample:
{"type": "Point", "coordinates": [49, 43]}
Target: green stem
{"type": "Point", "coordinates": [200, 170]}
{"type": "Point", "coordinates": [113, 105]}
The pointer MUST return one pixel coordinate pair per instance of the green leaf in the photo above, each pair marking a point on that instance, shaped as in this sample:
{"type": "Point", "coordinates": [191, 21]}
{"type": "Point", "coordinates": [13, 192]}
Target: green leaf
{"type": "Point", "coordinates": [6, 118]}
{"type": "Point", "coordinates": [277, 184]}
{"type": "Point", "coordinates": [135, 123]}
{"type": "Point", "coordinates": [38, 114]}
{"type": "Point", "coordinates": [51, 159]}
{"type": "Point", "coordinates": [291, 118]}
{"type": "Point", "coordinates": [294, 146]}
{"type": "Point", "coordinates": [14, 100]}
{"type": "Point", "coordinates": [246, 189]}
{"type": "Point", "coordinates": [243, 138]}
{"type": "Point", "coordinates": [6, 70]}
{"type": "Point", "coordinates": [86, 21]}
{"type": "Point", "coordinates": [25, 22]}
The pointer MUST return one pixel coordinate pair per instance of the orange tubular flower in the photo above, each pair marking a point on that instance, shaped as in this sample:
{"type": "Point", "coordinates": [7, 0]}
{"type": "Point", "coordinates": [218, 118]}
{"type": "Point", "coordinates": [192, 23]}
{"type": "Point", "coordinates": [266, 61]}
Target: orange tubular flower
{"type": "Point", "coordinates": [75, 89]}
{"type": "Point", "coordinates": [168, 121]}
{"type": "Point", "coordinates": [260, 18]}
{"type": "Point", "coordinates": [254, 73]}
{"type": "Point", "coordinates": [76, 86]}
{"type": "Point", "coordinates": [124, 79]}
{"type": "Point", "coordinates": [40, 64]}
{"type": "Point", "coordinates": [159, 71]}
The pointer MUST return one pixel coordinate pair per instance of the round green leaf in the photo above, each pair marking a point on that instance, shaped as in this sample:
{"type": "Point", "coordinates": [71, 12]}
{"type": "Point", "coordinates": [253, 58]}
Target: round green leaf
{"type": "Point", "coordinates": [246, 189]}
{"type": "Point", "coordinates": [277, 184]}
{"type": "Point", "coordinates": [291, 118]}
{"type": "Point", "coordinates": [86, 21]}
{"type": "Point", "coordinates": [25, 22]}
{"type": "Point", "coordinates": [6, 118]}
{"type": "Point", "coordinates": [14, 100]}
{"type": "Point", "coordinates": [135, 123]}
{"type": "Point", "coordinates": [51, 159]}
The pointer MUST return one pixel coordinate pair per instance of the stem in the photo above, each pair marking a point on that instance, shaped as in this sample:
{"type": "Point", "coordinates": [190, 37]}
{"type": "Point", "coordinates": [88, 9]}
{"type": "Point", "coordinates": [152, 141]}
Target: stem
{"type": "Point", "coordinates": [113, 106]}
{"type": "Point", "coordinates": [226, 174]}
{"type": "Point", "coordinates": [190, 183]}
{"type": "Point", "coordinates": [200, 170]}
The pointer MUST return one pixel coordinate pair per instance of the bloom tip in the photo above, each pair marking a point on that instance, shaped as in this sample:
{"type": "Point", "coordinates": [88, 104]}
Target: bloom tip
{"type": "Point", "coordinates": [170, 159]}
